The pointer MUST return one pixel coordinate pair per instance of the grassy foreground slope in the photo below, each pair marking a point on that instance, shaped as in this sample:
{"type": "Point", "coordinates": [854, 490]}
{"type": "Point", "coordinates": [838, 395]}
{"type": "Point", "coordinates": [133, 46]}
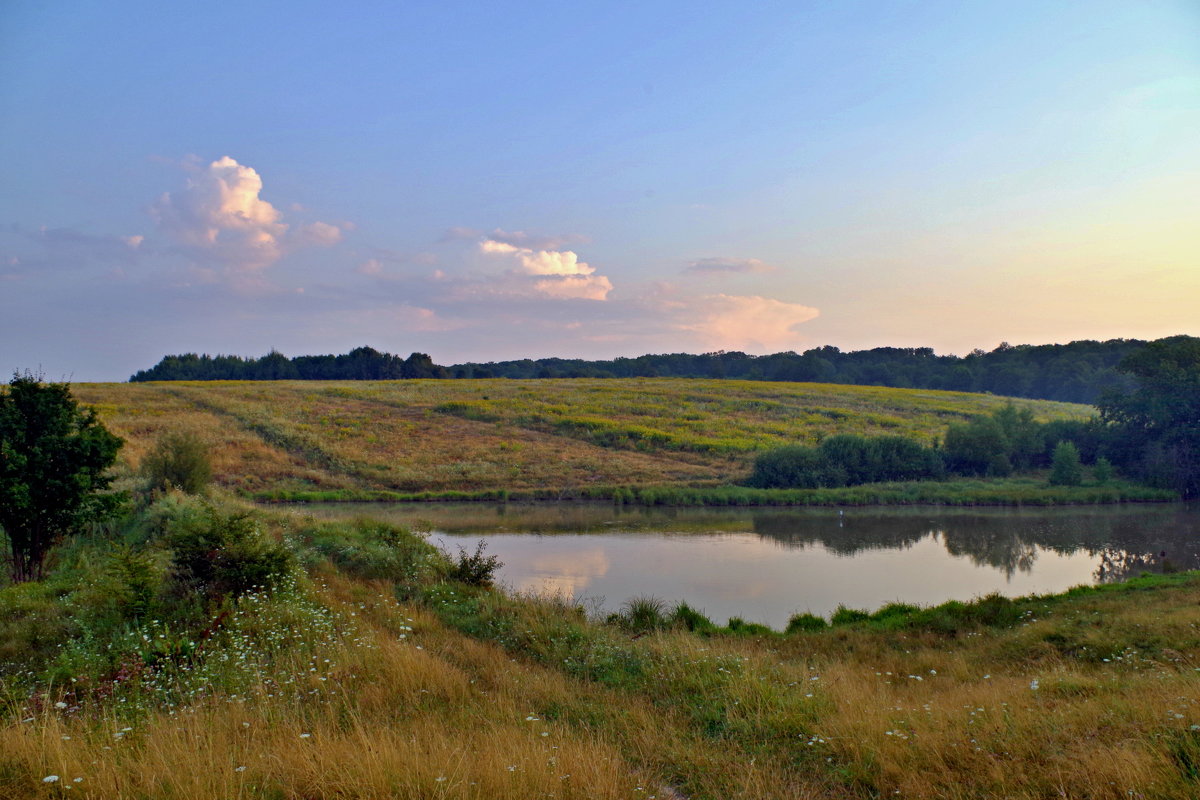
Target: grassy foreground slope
{"type": "Point", "coordinates": [373, 674]}
{"type": "Point", "coordinates": [285, 437]}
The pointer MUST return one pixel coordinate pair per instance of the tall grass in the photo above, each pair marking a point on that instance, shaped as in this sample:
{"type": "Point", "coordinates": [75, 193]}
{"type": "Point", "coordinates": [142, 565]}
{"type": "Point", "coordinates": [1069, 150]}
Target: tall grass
{"type": "Point", "coordinates": [370, 675]}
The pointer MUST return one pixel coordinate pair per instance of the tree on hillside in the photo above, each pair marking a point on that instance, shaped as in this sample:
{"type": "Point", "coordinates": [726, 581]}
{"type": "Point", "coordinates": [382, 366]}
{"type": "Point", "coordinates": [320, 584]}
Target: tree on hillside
{"type": "Point", "coordinates": [1156, 425]}
{"type": "Point", "coordinates": [53, 456]}
{"type": "Point", "coordinates": [1066, 469]}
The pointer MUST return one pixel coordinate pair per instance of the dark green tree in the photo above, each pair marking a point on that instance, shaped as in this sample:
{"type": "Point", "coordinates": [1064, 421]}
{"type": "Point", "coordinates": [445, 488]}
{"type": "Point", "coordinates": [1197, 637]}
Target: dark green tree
{"type": "Point", "coordinates": [53, 459]}
{"type": "Point", "coordinates": [1156, 425]}
{"type": "Point", "coordinates": [1066, 469]}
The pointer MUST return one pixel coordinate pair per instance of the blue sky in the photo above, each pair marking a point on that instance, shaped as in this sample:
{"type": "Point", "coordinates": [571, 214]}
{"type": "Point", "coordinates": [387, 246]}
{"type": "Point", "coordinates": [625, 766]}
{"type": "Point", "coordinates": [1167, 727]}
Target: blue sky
{"type": "Point", "coordinates": [487, 181]}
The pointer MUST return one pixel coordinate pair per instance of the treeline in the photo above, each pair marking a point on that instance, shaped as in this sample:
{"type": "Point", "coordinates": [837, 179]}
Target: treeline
{"type": "Point", "coordinates": [362, 363]}
{"type": "Point", "coordinates": [1078, 372]}
{"type": "Point", "coordinates": [1150, 431]}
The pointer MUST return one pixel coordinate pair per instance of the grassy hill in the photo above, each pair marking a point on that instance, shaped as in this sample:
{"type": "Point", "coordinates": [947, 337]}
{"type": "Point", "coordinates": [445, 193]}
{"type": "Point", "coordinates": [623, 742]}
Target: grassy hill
{"type": "Point", "coordinates": [276, 438]}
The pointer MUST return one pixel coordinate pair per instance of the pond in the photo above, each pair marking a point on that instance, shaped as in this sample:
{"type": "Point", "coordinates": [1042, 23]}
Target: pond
{"type": "Point", "coordinates": [765, 564]}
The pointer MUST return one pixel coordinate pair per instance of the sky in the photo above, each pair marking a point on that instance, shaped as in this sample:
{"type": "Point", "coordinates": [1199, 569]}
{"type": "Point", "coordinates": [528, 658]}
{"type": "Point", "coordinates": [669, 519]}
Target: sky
{"type": "Point", "coordinates": [488, 181]}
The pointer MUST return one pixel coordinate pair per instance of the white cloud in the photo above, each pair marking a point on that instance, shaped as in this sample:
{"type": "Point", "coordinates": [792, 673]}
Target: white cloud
{"type": "Point", "coordinates": [321, 234]}
{"type": "Point", "coordinates": [534, 242]}
{"type": "Point", "coordinates": [576, 287]}
{"type": "Point", "coordinates": [561, 274]}
{"type": "Point", "coordinates": [726, 265]}
{"type": "Point", "coordinates": [748, 322]}
{"type": "Point", "coordinates": [219, 216]}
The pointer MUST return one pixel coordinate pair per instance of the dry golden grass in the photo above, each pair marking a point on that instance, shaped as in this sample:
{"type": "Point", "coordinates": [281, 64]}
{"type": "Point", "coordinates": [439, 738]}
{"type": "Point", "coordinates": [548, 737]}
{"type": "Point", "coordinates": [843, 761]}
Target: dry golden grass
{"type": "Point", "coordinates": [242, 461]}
{"type": "Point", "coordinates": [478, 435]}
{"type": "Point", "coordinates": [407, 707]}
{"type": "Point", "coordinates": [391, 718]}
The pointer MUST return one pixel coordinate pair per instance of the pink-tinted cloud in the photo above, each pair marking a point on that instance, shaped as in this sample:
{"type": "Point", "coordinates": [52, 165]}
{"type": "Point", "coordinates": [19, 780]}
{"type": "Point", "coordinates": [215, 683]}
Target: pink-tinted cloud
{"type": "Point", "coordinates": [721, 265]}
{"type": "Point", "coordinates": [515, 238]}
{"type": "Point", "coordinates": [220, 217]}
{"type": "Point", "coordinates": [561, 274]}
{"type": "Point", "coordinates": [746, 322]}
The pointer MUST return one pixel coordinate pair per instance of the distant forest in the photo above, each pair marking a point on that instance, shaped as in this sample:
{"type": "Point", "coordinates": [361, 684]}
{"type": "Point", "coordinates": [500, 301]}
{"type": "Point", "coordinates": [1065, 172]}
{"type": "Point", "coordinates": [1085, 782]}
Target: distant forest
{"type": "Point", "coordinates": [1078, 372]}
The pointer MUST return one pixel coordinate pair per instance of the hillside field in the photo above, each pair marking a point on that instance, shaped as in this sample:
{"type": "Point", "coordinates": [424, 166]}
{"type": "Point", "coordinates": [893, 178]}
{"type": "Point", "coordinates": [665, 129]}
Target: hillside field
{"type": "Point", "coordinates": [289, 437]}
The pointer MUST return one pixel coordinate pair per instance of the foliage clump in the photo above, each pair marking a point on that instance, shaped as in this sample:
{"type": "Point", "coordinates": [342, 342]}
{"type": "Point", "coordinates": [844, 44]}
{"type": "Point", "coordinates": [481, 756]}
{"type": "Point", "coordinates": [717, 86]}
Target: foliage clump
{"type": "Point", "coordinates": [474, 569]}
{"type": "Point", "coordinates": [846, 460]}
{"type": "Point", "coordinates": [643, 614]}
{"type": "Point", "coordinates": [1155, 427]}
{"type": "Point", "coordinates": [179, 459]}
{"type": "Point", "coordinates": [1066, 469]}
{"type": "Point", "coordinates": [217, 554]}
{"type": "Point", "coordinates": [805, 622]}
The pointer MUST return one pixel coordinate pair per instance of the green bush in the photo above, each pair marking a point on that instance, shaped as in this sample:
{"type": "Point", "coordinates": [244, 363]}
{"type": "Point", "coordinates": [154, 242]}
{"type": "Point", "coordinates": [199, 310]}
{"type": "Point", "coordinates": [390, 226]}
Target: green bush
{"type": "Point", "coordinates": [217, 554]}
{"type": "Point", "coordinates": [1065, 469]}
{"type": "Point", "coordinates": [1103, 470]}
{"type": "Point", "coordinates": [740, 626]}
{"type": "Point", "coordinates": [127, 587]}
{"type": "Point", "coordinates": [688, 618]}
{"type": "Point", "coordinates": [178, 459]}
{"type": "Point", "coordinates": [375, 550]}
{"type": "Point", "coordinates": [474, 569]}
{"type": "Point", "coordinates": [846, 460]}
{"type": "Point", "coordinates": [847, 616]}
{"type": "Point", "coordinates": [798, 623]}
{"type": "Point", "coordinates": [643, 614]}
{"type": "Point", "coordinates": [895, 611]}
{"type": "Point", "coordinates": [792, 467]}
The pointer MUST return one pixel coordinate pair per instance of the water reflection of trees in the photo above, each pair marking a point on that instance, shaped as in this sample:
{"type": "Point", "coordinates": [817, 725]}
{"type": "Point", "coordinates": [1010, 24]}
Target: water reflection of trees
{"type": "Point", "coordinates": [1124, 541]}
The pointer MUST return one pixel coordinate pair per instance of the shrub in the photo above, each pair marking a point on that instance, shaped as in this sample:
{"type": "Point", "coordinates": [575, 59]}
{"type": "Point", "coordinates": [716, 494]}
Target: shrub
{"type": "Point", "coordinates": [847, 616]}
{"type": "Point", "coordinates": [474, 569]}
{"type": "Point", "coordinates": [179, 459]}
{"type": "Point", "coordinates": [805, 622]}
{"type": "Point", "coordinates": [217, 554]}
{"type": "Point", "coordinates": [644, 613]}
{"type": "Point", "coordinates": [895, 611]}
{"type": "Point", "coordinates": [792, 467]}
{"type": "Point", "coordinates": [972, 448]}
{"type": "Point", "coordinates": [1103, 471]}
{"type": "Point", "coordinates": [688, 618]}
{"type": "Point", "coordinates": [1066, 470]}
{"type": "Point", "coordinates": [847, 460]}
{"type": "Point", "coordinates": [740, 626]}
{"type": "Point", "coordinates": [374, 550]}
{"type": "Point", "coordinates": [133, 580]}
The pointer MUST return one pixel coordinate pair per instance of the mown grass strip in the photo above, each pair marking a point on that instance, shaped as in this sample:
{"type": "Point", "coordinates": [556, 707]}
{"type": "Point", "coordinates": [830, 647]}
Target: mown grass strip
{"type": "Point", "coordinates": [262, 426]}
{"type": "Point", "coordinates": [1001, 492]}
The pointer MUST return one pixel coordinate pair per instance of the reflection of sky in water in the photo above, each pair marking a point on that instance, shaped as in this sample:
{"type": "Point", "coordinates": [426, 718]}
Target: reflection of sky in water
{"type": "Point", "coordinates": [568, 574]}
{"type": "Point", "coordinates": [765, 564]}
{"type": "Point", "coordinates": [755, 578]}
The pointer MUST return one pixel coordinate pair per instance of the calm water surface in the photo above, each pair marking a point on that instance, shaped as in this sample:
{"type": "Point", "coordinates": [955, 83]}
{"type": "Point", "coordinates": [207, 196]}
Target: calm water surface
{"type": "Point", "coordinates": [765, 564]}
